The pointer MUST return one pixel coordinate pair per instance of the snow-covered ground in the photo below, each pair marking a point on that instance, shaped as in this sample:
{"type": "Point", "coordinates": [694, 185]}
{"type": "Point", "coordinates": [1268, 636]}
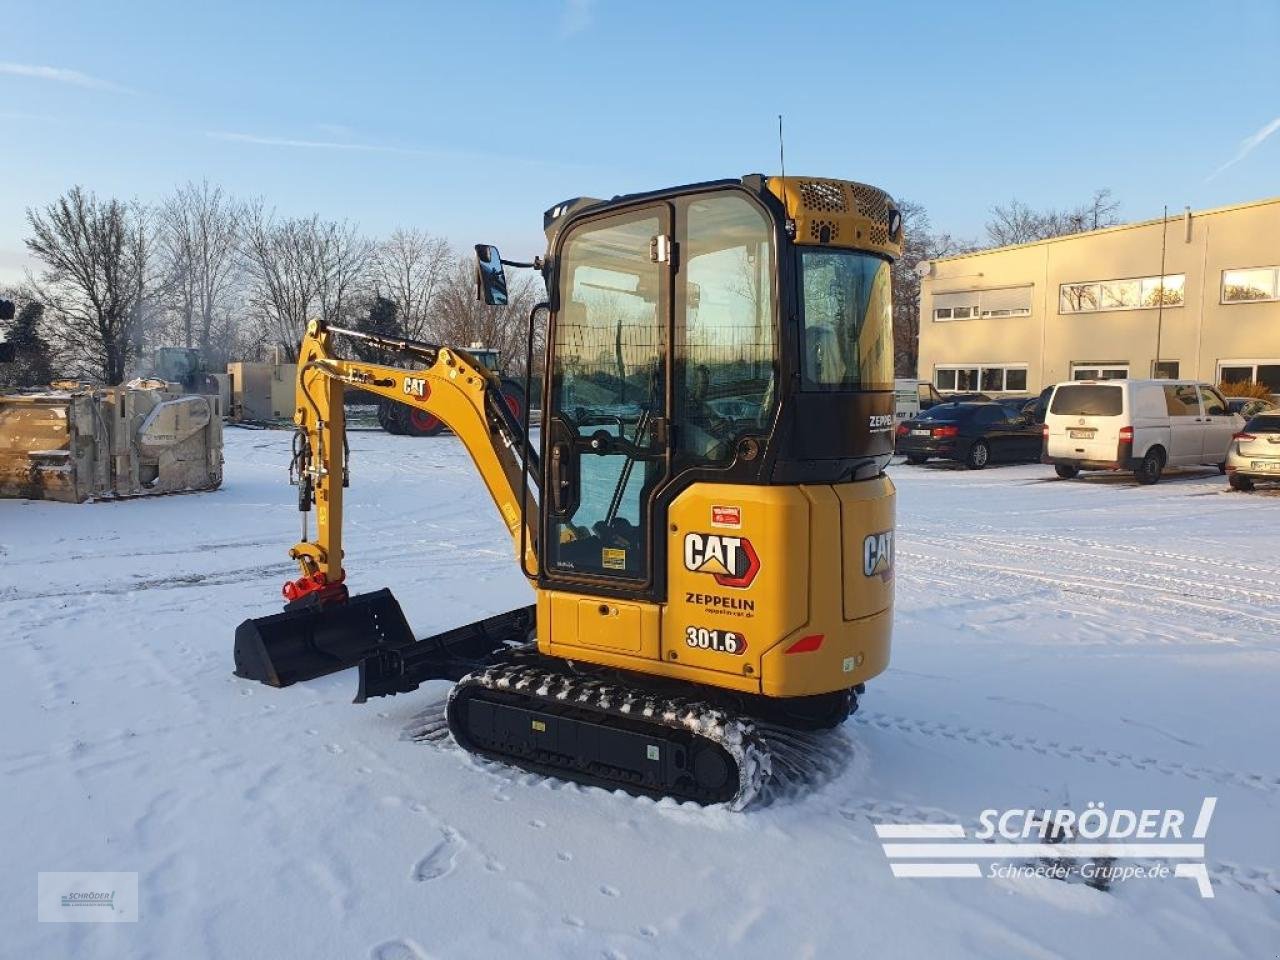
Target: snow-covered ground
{"type": "Point", "coordinates": [1057, 643]}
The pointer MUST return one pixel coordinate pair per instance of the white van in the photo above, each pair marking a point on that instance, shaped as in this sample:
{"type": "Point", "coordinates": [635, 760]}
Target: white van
{"type": "Point", "coordinates": [1138, 425]}
{"type": "Point", "coordinates": [912, 396]}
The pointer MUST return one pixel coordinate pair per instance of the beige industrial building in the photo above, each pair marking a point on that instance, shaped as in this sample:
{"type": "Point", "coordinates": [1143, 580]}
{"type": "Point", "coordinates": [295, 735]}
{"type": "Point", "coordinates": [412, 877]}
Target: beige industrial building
{"type": "Point", "coordinates": [1093, 305]}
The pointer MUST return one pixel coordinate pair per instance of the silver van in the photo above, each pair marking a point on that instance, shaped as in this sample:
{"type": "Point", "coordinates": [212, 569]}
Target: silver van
{"type": "Point", "coordinates": [1138, 425]}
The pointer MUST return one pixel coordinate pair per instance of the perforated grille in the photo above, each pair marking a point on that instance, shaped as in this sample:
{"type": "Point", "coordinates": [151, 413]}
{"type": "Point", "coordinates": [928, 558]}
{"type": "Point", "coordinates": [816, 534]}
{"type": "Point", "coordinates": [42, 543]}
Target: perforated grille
{"type": "Point", "coordinates": [872, 203]}
{"type": "Point", "coordinates": [822, 197]}
{"type": "Point", "coordinates": [879, 234]}
{"type": "Point", "coordinates": [816, 229]}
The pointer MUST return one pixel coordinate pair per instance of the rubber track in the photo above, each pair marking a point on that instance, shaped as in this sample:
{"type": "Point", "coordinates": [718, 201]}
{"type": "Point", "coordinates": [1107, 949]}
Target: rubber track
{"type": "Point", "coordinates": [736, 735]}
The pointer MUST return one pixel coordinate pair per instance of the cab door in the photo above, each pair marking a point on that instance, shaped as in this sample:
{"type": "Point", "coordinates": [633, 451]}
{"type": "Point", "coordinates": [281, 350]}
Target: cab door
{"type": "Point", "coordinates": [606, 445]}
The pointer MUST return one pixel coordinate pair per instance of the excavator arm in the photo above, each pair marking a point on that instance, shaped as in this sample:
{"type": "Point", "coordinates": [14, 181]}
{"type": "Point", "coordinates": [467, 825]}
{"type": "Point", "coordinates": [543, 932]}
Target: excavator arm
{"type": "Point", "coordinates": [451, 385]}
{"type": "Point", "coordinates": [323, 628]}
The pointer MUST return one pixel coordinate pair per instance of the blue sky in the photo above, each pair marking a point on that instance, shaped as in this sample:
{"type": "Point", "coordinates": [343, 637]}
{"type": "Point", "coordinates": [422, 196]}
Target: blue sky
{"type": "Point", "coordinates": [470, 119]}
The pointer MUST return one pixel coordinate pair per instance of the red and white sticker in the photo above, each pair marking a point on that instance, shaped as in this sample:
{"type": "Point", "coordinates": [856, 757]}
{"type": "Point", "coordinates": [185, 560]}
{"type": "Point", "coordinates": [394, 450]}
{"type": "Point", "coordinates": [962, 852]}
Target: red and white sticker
{"type": "Point", "coordinates": [726, 517]}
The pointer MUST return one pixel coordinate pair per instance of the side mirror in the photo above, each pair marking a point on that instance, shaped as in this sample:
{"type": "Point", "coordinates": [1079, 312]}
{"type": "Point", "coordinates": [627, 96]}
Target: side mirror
{"type": "Point", "coordinates": [7, 352]}
{"type": "Point", "coordinates": [491, 281]}
{"type": "Point", "coordinates": [7, 310]}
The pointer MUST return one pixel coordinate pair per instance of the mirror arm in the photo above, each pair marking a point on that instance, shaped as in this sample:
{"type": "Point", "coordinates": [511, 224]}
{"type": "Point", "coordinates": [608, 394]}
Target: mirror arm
{"type": "Point", "coordinates": [534, 264]}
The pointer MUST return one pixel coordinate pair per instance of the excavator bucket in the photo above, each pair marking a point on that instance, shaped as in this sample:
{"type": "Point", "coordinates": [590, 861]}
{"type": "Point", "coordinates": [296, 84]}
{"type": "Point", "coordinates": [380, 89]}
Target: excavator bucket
{"type": "Point", "coordinates": [306, 642]}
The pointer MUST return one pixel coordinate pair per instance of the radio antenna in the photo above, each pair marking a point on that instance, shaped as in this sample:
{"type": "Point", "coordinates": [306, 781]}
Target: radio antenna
{"type": "Point", "coordinates": [782, 157]}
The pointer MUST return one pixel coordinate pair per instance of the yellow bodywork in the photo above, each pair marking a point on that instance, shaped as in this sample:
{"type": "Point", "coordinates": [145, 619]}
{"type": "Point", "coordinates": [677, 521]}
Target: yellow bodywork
{"type": "Point", "coordinates": [810, 543]}
{"type": "Point", "coordinates": [845, 213]}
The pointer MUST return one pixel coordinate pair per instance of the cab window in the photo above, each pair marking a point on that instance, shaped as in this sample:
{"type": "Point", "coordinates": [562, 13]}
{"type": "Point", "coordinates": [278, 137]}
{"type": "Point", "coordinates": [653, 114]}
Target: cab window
{"type": "Point", "coordinates": [724, 373]}
{"type": "Point", "coordinates": [1214, 405]}
{"type": "Point", "coordinates": [848, 321]}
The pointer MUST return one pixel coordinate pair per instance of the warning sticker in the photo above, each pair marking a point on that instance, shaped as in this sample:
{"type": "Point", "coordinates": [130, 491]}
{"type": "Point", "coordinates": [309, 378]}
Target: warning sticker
{"type": "Point", "coordinates": [613, 558]}
{"type": "Point", "coordinates": [726, 517]}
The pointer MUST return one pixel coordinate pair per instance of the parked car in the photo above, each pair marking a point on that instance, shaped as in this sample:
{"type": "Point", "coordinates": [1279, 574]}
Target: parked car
{"type": "Point", "coordinates": [1255, 452]}
{"type": "Point", "coordinates": [1138, 425]}
{"type": "Point", "coordinates": [973, 432]}
{"type": "Point", "coordinates": [1249, 407]}
{"type": "Point", "coordinates": [1036, 407]}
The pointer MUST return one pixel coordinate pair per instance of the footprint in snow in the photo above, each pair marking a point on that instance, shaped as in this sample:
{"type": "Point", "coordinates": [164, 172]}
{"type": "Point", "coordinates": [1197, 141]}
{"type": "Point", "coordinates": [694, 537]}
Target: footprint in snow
{"type": "Point", "coordinates": [576, 922]}
{"type": "Point", "coordinates": [564, 855]}
{"type": "Point", "coordinates": [609, 891]}
{"type": "Point", "coordinates": [333, 748]}
{"type": "Point", "coordinates": [397, 950]}
{"type": "Point", "coordinates": [441, 860]}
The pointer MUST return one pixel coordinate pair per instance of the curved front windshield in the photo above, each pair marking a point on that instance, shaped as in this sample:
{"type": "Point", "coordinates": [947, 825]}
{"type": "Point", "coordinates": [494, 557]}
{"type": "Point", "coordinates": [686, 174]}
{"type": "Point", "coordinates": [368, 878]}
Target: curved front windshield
{"type": "Point", "coordinates": [848, 321]}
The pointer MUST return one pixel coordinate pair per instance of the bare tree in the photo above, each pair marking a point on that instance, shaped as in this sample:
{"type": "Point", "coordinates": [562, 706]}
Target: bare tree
{"type": "Point", "coordinates": [343, 258]}
{"type": "Point", "coordinates": [919, 245]}
{"type": "Point", "coordinates": [1015, 222]}
{"type": "Point", "coordinates": [1100, 210]}
{"type": "Point", "coordinates": [97, 281]}
{"type": "Point", "coordinates": [409, 268]}
{"type": "Point", "coordinates": [461, 319]}
{"type": "Point", "coordinates": [301, 268]}
{"type": "Point", "coordinates": [198, 239]}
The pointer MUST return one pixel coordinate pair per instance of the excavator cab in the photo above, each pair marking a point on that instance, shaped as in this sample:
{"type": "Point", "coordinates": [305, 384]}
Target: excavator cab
{"type": "Point", "coordinates": [704, 515]}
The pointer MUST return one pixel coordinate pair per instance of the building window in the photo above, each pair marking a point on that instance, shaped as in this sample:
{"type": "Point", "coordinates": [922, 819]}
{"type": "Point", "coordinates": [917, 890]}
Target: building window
{"type": "Point", "coordinates": [1251, 371]}
{"type": "Point", "coordinates": [993, 379]}
{"type": "Point", "coordinates": [1136, 293]}
{"type": "Point", "coordinates": [1165, 369]}
{"type": "Point", "coordinates": [1099, 371]}
{"type": "Point", "coordinates": [1246, 286]}
{"type": "Point", "coordinates": [972, 304]}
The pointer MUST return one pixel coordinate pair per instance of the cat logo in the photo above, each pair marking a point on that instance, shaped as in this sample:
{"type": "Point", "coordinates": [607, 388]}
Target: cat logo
{"type": "Point", "coordinates": [415, 387]}
{"type": "Point", "coordinates": [877, 555]}
{"type": "Point", "coordinates": [733, 561]}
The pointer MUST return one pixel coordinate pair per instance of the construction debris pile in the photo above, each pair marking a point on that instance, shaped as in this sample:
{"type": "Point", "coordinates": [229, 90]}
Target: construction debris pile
{"type": "Point", "coordinates": [74, 442]}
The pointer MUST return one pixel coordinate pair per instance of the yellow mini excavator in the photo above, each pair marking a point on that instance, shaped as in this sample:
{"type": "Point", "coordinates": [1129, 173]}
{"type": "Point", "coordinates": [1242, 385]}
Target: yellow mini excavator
{"type": "Point", "coordinates": [705, 521]}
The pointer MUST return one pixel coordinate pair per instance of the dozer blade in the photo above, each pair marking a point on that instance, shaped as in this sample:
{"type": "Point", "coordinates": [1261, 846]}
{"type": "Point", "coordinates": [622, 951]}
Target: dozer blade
{"type": "Point", "coordinates": [446, 656]}
{"type": "Point", "coordinates": [312, 641]}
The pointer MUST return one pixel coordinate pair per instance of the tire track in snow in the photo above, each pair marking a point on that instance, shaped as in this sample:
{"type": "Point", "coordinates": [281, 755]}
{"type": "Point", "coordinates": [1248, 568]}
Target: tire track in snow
{"type": "Point", "coordinates": [1192, 585]}
{"type": "Point", "coordinates": [1109, 590]}
{"type": "Point", "coordinates": [980, 736]}
{"type": "Point", "coordinates": [1134, 566]}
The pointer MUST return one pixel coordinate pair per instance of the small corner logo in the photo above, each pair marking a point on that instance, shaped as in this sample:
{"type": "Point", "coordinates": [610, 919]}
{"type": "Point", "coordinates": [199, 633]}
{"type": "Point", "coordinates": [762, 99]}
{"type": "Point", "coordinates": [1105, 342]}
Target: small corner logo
{"type": "Point", "coordinates": [87, 897]}
{"type": "Point", "coordinates": [877, 555]}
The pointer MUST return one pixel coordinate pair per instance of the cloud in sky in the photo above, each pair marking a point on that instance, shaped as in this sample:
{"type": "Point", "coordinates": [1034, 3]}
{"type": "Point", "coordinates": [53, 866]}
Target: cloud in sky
{"type": "Point", "coordinates": [311, 144]}
{"type": "Point", "coordinates": [1248, 145]}
{"type": "Point", "coordinates": [575, 17]}
{"type": "Point", "coordinates": [356, 146]}
{"type": "Point", "coordinates": [60, 75]}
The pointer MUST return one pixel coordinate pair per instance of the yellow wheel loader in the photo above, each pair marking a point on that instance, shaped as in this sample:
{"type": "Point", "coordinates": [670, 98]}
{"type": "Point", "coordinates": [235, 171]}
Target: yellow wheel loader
{"type": "Point", "coordinates": [705, 521]}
